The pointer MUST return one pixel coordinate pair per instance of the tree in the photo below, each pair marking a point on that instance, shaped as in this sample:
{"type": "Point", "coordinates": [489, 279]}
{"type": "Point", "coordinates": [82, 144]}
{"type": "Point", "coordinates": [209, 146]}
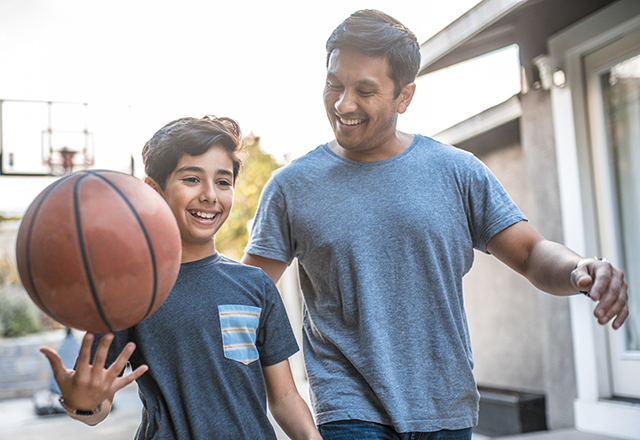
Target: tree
{"type": "Point", "coordinates": [256, 170]}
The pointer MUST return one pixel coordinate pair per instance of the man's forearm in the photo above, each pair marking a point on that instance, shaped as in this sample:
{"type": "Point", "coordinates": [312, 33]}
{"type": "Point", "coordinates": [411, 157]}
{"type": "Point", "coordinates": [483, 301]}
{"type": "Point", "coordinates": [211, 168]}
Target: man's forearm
{"type": "Point", "coordinates": [550, 266]}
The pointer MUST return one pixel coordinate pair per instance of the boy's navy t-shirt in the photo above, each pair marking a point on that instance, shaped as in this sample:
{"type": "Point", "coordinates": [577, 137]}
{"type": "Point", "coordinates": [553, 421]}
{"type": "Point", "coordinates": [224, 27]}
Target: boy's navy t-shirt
{"type": "Point", "coordinates": [205, 348]}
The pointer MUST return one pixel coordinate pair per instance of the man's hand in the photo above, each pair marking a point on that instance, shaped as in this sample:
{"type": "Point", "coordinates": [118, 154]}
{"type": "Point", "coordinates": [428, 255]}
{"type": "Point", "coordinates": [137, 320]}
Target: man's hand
{"type": "Point", "coordinates": [603, 283]}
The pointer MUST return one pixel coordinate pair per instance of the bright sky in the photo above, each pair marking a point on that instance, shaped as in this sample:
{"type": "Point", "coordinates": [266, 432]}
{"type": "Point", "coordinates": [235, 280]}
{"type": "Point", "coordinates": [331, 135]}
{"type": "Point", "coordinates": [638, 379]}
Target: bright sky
{"type": "Point", "coordinates": [262, 63]}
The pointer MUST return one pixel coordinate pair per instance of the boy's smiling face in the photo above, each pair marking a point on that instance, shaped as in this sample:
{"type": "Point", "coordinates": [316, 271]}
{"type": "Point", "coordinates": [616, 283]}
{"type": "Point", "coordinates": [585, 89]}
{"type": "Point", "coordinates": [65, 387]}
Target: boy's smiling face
{"type": "Point", "coordinates": [200, 194]}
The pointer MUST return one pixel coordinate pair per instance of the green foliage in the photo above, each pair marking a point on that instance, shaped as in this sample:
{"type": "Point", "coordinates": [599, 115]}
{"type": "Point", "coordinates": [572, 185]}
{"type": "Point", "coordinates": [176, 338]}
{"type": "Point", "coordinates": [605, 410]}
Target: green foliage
{"type": "Point", "coordinates": [19, 316]}
{"type": "Point", "coordinates": [256, 170]}
{"type": "Point", "coordinates": [8, 271]}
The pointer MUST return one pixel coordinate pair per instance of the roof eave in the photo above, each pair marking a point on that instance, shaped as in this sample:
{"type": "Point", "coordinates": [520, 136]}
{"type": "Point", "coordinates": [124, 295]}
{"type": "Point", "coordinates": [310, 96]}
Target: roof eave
{"type": "Point", "coordinates": [470, 24]}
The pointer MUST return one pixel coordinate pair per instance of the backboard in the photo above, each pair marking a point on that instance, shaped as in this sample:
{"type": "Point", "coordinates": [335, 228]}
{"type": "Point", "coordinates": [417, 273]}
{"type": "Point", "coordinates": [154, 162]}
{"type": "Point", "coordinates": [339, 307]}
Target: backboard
{"type": "Point", "coordinates": [39, 138]}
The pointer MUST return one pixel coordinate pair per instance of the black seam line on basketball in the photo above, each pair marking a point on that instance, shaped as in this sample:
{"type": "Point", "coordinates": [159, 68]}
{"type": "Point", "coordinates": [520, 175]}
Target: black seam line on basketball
{"type": "Point", "coordinates": [28, 245]}
{"type": "Point", "coordinates": [146, 236]}
{"type": "Point", "coordinates": [84, 254]}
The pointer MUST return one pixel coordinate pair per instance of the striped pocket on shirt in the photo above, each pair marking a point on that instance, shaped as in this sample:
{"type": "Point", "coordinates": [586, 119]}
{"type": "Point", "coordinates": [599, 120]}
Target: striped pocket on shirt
{"type": "Point", "coordinates": [239, 325]}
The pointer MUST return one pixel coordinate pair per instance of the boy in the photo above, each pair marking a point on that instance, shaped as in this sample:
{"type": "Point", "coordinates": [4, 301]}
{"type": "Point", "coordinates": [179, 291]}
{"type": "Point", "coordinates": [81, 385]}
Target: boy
{"type": "Point", "coordinates": [221, 337]}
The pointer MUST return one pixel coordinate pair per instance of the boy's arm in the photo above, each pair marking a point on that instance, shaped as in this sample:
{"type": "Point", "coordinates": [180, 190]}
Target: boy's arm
{"type": "Point", "coordinates": [88, 391]}
{"type": "Point", "coordinates": [285, 403]}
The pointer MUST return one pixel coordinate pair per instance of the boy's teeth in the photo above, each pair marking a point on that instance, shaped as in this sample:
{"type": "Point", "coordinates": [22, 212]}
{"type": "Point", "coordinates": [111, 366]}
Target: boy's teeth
{"type": "Point", "coordinates": [204, 214]}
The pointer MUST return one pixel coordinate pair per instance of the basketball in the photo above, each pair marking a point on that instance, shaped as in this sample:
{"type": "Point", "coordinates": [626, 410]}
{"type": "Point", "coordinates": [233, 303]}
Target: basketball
{"type": "Point", "coordinates": [98, 250]}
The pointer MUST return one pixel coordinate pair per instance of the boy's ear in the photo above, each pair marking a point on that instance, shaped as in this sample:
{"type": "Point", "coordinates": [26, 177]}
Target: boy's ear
{"type": "Point", "coordinates": [153, 184]}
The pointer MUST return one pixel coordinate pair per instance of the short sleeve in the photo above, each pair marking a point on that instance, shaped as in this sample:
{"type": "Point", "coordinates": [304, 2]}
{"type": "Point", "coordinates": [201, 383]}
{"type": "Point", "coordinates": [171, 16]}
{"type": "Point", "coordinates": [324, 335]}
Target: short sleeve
{"type": "Point", "coordinates": [490, 208]}
{"type": "Point", "coordinates": [271, 231]}
{"type": "Point", "coordinates": [275, 340]}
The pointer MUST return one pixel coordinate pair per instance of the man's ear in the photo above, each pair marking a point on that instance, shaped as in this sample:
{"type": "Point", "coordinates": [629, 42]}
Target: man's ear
{"type": "Point", "coordinates": [405, 97]}
{"type": "Point", "coordinates": [153, 184]}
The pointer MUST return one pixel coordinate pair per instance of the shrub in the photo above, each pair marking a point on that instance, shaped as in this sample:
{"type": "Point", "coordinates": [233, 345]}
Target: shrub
{"type": "Point", "coordinates": [19, 316]}
{"type": "Point", "coordinates": [8, 271]}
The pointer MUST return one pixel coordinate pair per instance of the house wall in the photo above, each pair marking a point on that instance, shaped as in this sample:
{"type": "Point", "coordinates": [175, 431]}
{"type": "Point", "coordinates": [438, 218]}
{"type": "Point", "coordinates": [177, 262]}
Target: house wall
{"type": "Point", "coordinates": [521, 337]}
{"type": "Point", "coordinates": [538, 141]}
{"type": "Point", "coordinates": [507, 345]}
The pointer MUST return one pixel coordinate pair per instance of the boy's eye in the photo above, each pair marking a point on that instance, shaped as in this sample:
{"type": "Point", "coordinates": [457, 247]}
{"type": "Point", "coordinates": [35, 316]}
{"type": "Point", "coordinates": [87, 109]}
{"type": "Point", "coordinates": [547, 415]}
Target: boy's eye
{"type": "Point", "coordinates": [224, 183]}
{"type": "Point", "coordinates": [190, 179]}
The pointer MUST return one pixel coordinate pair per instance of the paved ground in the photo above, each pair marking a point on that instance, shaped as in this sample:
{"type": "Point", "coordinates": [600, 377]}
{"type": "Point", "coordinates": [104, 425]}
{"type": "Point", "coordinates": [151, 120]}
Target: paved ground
{"type": "Point", "coordinates": [18, 421]}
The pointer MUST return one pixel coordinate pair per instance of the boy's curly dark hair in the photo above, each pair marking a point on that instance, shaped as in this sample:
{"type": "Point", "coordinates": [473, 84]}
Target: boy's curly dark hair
{"type": "Point", "coordinates": [192, 136]}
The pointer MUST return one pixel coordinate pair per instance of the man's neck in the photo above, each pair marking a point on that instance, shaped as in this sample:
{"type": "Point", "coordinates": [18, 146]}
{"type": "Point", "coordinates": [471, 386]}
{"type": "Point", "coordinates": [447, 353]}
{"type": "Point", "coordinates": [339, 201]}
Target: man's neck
{"type": "Point", "coordinates": [396, 145]}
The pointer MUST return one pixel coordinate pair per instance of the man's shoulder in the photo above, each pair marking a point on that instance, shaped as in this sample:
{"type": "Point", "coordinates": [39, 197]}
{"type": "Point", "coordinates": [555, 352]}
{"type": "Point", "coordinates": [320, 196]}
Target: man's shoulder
{"type": "Point", "coordinates": [304, 168]}
{"type": "Point", "coordinates": [429, 143]}
{"type": "Point", "coordinates": [435, 151]}
{"type": "Point", "coordinates": [308, 159]}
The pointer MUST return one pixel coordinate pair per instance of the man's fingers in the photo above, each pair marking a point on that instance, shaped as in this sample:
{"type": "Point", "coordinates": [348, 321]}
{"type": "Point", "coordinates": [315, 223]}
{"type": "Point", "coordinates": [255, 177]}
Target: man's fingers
{"type": "Point", "coordinates": [608, 288]}
{"type": "Point", "coordinates": [605, 279]}
{"type": "Point", "coordinates": [613, 304]}
{"type": "Point", "coordinates": [622, 316]}
{"type": "Point", "coordinates": [604, 284]}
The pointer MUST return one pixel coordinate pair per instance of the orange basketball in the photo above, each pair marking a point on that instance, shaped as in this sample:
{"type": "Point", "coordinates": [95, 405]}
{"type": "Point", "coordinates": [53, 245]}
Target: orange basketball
{"type": "Point", "coordinates": [98, 250]}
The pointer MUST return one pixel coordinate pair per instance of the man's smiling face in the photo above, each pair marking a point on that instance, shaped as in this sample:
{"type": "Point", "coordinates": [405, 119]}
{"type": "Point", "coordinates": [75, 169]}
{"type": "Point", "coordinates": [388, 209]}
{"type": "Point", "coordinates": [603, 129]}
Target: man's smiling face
{"type": "Point", "coordinates": [360, 101]}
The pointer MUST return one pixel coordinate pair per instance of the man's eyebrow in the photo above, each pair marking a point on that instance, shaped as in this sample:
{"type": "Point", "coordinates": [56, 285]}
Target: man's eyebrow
{"type": "Point", "coordinates": [368, 82]}
{"type": "Point", "coordinates": [361, 82]}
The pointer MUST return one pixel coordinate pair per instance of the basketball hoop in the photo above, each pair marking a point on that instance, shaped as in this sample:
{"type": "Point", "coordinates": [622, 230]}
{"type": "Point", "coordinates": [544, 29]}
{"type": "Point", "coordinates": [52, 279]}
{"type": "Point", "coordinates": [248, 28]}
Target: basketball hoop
{"type": "Point", "coordinates": [65, 161]}
{"type": "Point", "coordinates": [66, 151]}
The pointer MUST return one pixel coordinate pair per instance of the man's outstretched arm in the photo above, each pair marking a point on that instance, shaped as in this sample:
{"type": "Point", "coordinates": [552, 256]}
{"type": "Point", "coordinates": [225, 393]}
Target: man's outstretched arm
{"type": "Point", "coordinates": [553, 268]}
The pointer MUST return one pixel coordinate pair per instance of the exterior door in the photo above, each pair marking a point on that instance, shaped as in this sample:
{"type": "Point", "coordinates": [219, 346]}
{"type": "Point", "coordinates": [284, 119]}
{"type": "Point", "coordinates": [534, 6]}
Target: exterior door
{"type": "Point", "coordinates": [613, 92]}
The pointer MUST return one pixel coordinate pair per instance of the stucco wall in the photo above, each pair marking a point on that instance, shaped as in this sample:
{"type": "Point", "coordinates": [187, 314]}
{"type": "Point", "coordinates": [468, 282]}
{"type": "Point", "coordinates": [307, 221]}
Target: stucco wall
{"type": "Point", "coordinates": [521, 337]}
{"type": "Point", "coordinates": [502, 307]}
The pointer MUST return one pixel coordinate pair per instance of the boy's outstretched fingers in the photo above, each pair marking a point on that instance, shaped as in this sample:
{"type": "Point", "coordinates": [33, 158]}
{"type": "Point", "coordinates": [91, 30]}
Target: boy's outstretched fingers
{"type": "Point", "coordinates": [603, 283]}
{"type": "Point", "coordinates": [119, 365]}
{"type": "Point", "coordinates": [89, 385]}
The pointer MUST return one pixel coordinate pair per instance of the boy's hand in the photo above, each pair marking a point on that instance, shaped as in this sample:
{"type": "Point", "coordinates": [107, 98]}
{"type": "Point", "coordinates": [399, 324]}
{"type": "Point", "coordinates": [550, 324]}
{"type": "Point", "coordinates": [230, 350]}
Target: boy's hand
{"type": "Point", "coordinates": [602, 282]}
{"type": "Point", "coordinates": [88, 385]}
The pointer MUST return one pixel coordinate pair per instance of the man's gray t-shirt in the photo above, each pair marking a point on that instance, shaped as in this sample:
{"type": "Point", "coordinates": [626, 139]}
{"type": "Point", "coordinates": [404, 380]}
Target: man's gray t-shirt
{"type": "Point", "coordinates": [382, 248]}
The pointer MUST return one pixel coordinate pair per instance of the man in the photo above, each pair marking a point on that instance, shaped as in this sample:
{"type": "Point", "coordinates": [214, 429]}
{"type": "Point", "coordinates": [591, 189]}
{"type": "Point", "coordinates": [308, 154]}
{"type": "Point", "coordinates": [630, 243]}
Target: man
{"type": "Point", "coordinates": [384, 224]}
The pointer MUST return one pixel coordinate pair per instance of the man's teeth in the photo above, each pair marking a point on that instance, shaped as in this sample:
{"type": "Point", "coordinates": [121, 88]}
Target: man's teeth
{"type": "Point", "coordinates": [351, 121]}
{"type": "Point", "coordinates": [205, 215]}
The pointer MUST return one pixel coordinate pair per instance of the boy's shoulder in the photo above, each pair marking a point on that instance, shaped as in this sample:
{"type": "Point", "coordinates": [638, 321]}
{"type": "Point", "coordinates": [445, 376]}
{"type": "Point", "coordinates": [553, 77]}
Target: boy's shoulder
{"type": "Point", "coordinates": [219, 263]}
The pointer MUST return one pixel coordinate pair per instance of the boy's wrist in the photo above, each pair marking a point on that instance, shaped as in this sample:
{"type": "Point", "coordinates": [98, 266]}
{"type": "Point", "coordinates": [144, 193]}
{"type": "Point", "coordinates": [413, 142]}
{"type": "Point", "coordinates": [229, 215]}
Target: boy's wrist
{"type": "Point", "coordinates": [78, 412]}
